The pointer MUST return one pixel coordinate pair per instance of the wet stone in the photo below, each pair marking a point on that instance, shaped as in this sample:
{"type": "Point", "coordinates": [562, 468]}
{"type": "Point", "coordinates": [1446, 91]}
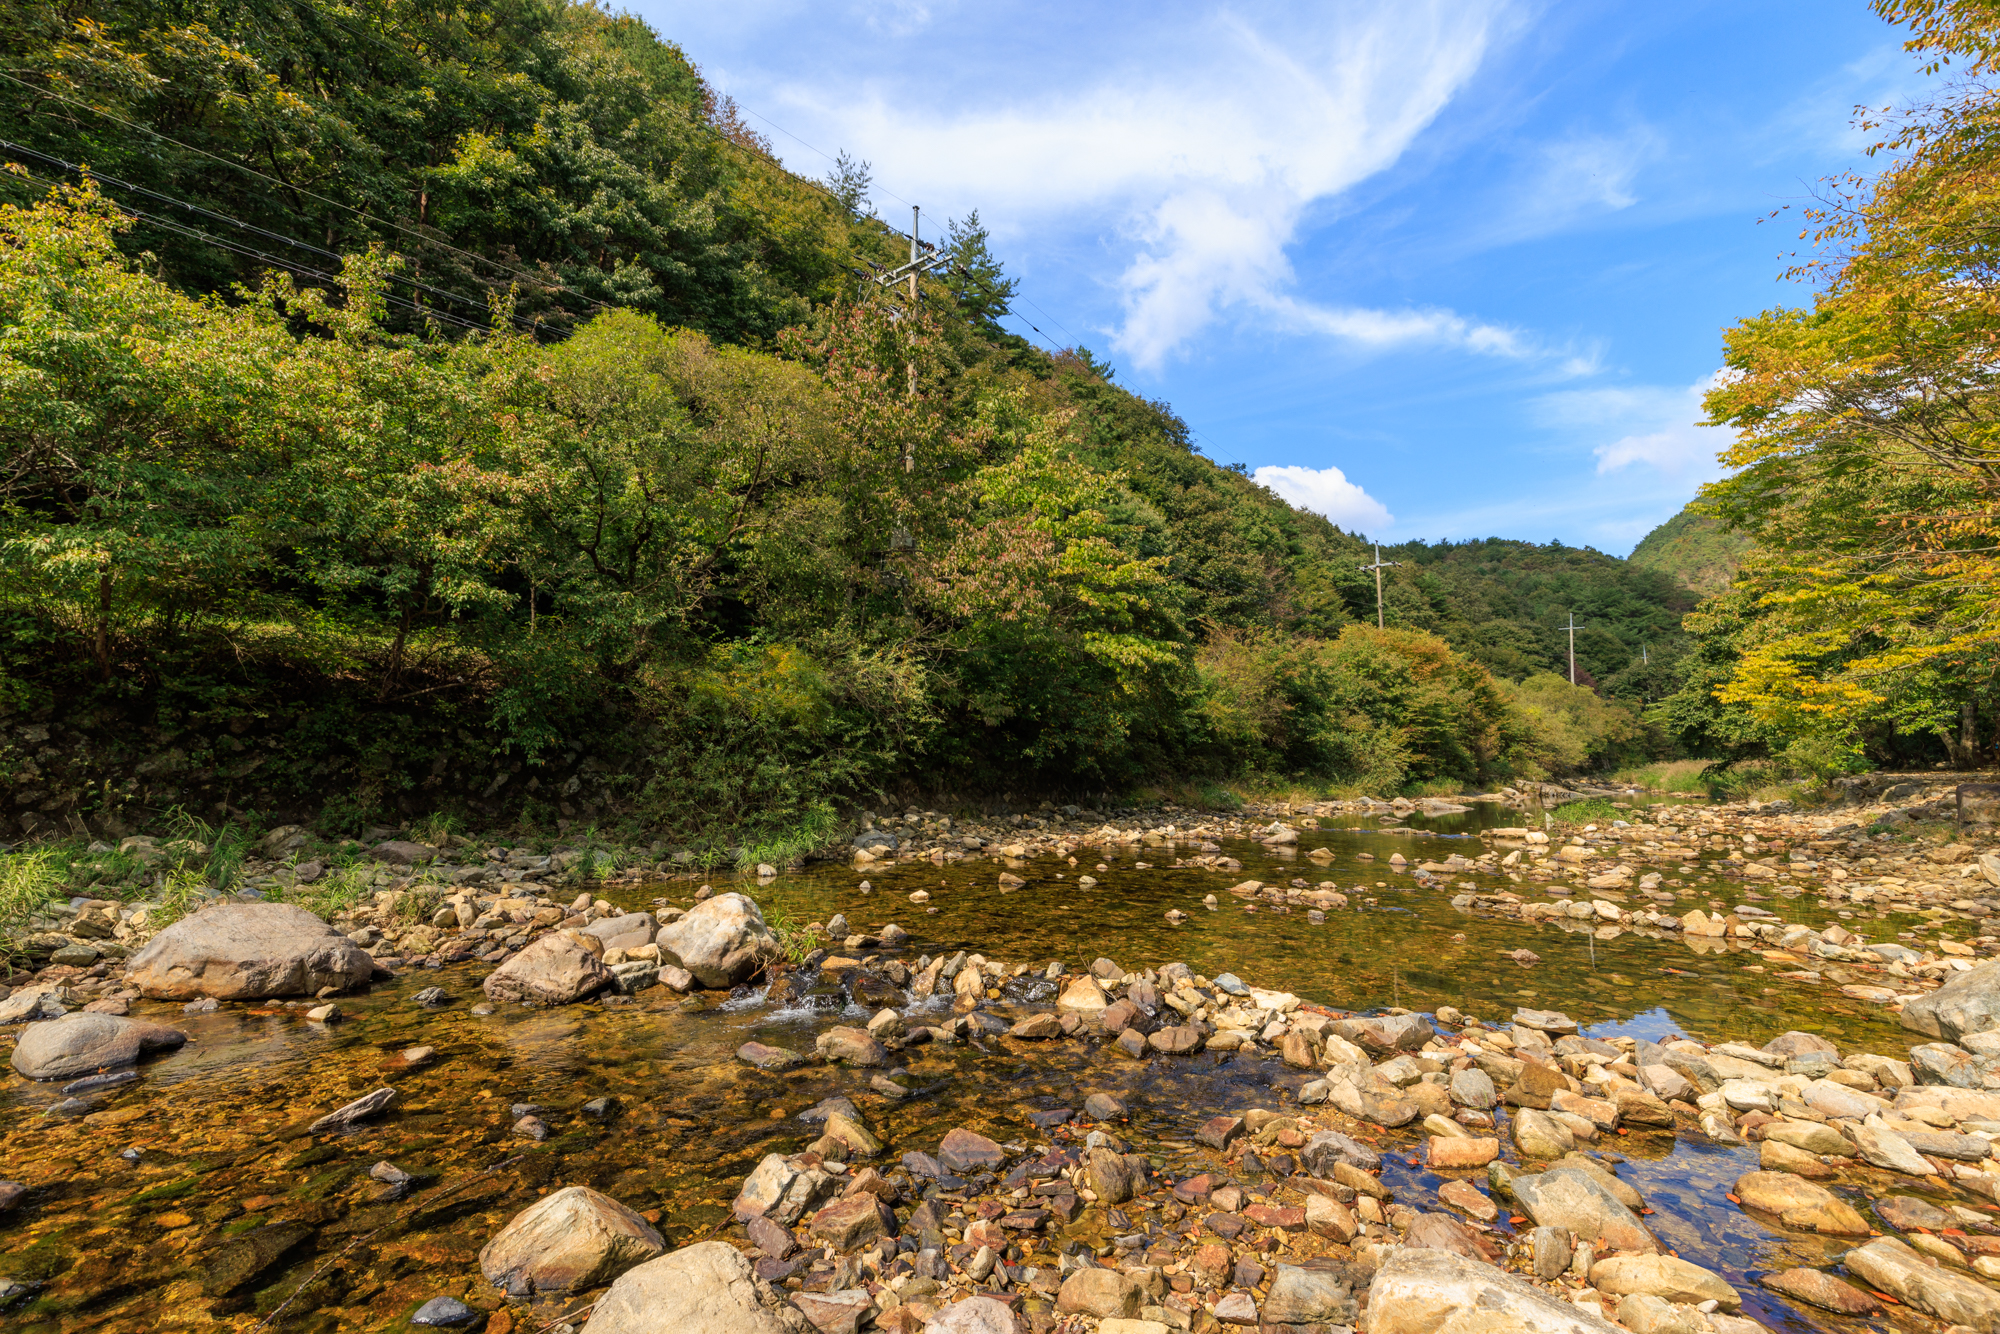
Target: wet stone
{"type": "Point", "coordinates": [445, 1312]}
{"type": "Point", "coordinates": [965, 1151]}
{"type": "Point", "coordinates": [1817, 1288]}
{"type": "Point", "coordinates": [1218, 1132]}
{"type": "Point", "coordinates": [1906, 1212]}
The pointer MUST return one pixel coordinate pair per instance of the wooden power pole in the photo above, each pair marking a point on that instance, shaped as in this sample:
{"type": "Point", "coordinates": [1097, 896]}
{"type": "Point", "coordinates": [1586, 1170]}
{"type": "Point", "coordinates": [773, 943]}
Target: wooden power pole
{"type": "Point", "coordinates": [1379, 566]}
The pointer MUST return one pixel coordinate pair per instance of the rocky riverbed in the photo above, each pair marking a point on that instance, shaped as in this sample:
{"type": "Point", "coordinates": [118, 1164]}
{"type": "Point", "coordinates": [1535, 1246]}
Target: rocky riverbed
{"type": "Point", "coordinates": [485, 1098]}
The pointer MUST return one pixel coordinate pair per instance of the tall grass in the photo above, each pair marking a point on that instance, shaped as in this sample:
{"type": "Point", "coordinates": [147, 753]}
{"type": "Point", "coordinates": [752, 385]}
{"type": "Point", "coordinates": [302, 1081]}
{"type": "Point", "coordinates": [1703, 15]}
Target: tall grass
{"type": "Point", "coordinates": [1666, 776]}
{"type": "Point", "coordinates": [813, 829]}
{"type": "Point", "coordinates": [29, 883]}
{"type": "Point", "coordinates": [1585, 811]}
{"type": "Point", "coordinates": [337, 890]}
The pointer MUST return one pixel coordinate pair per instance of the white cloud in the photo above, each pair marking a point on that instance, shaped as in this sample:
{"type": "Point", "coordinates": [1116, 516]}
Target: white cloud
{"type": "Point", "coordinates": [1205, 155]}
{"type": "Point", "coordinates": [1326, 491]}
{"type": "Point", "coordinates": [1650, 424]}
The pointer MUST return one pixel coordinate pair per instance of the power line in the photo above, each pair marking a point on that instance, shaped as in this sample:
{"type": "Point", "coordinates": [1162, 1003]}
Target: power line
{"type": "Point", "coordinates": [429, 312]}
{"type": "Point", "coordinates": [540, 279]}
{"type": "Point", "coordinates": [266, 233]}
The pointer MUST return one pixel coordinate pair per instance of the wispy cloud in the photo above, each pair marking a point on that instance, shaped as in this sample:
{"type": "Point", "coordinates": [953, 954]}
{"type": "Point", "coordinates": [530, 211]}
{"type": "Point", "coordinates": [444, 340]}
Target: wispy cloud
{"type": "Point", "coordinates": [1327, 491]}
{"type": "Point", "coordinates": [1203, 165]}
{"type": "Point", "coordinates": [1651, 424]}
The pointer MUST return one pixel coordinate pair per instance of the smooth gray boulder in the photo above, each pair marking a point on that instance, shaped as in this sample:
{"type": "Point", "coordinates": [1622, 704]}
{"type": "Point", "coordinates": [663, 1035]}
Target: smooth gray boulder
{"type": "Point", "coordinates": [708, 1287]}
{"type": "Point", "coordinates": [84, 1043]}
{"type": "Point", "coordinates": [1968, 1003]}
{"type": "Point", "coordinates": [722, 941]}
{"type": "Point", "coordinates": [247, 951]}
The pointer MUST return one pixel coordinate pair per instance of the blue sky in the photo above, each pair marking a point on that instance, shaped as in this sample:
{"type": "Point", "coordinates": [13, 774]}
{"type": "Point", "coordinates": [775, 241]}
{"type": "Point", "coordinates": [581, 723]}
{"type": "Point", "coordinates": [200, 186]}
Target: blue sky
{"type": "Point", "coordinates": [1436, 270]}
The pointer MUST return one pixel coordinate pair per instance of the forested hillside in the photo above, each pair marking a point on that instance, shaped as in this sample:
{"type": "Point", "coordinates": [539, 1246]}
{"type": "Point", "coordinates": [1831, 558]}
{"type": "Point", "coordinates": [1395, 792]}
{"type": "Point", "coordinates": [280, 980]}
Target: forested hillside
{"type": "Point", "coordinates": [1695, 548]}
{"type": "Point", "coordinates": [417, 407]}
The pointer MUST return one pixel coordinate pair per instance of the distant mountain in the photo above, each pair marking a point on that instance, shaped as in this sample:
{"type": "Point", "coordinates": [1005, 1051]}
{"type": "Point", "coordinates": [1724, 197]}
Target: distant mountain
{"type": "Point", "coordinates": [1695, 549]}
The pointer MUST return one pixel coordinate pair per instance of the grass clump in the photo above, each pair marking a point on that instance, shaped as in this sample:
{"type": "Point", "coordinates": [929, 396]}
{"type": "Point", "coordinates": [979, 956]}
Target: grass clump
{"type": "Point", "coordinates": [1586, 811]}
{"type": "Point", "coordinates": [806, 834]}
{"type": "Point", "coordinates": [794, 939]}
{"type": "Point", "coordinates": [1666, 776]}
{"type": "Point", "coordinates": [29, 883]}
{"type": "Point", "coordinates": [338, 890]}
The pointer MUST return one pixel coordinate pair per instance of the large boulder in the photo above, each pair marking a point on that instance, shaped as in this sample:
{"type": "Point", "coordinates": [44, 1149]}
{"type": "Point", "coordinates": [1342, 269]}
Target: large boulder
{"type": "Point", "coordinates": [722, 941]}
{"type": "Point", "coordinates": [573, 1239]}
{"type": "Point", "coordinates": [558, 968]}
{"type": "Point", "coordinates": [1423, 1291]}
{"type": "Point", "coordinates": [245, 951]}
{"type": "Point", "coordinates": [1968, 1003]}
{"type": "Point", "coordinates": [709, 1287]}
{"type": "Point", "coordinates": [84, 1043]}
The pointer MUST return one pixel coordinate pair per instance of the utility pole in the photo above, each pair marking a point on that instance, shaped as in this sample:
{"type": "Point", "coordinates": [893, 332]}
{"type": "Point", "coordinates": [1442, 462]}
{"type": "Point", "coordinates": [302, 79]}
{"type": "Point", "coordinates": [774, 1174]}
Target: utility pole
{"type": "Point", "coordinates": [1379, 566]}
{"type": "Point", "coordinates": [1572, 627]}
{"type": "Point", "coordinates": [923, 258]}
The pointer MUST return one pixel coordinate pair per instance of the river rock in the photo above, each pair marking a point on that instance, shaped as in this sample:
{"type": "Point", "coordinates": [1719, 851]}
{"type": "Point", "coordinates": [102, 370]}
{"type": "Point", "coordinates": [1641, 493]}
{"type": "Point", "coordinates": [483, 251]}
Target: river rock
{"type": "Point", "coordinates": [1328, 1147]}
{"type": "Point", "coordinates": [574, 1238]}
{"type": "Point", "coordinates": [1886, 1149]}
{"type": "Point", "coordinates": [1098, 1292]}
{"type": "Point", "coordinates": [244, 951]}
{"type": "Point", "coordinates": [852, 1045]}
{"type": "Point", "coordinates": [353, 1113]}
{"type": "Point", "coordinates": [722, 941]}
{"type": "Point", "coordinates": [1388, 1033]}
{"type": "Point", "coordinates": [1110, 1176]}
{"type": "Point", "coordinates": [1907, 1212]}
{"type": "Point", "coordinates": [1539, 1135]}
{"type": "Point", "coordinates": [1898, 1270]}
{"type": "Point", "coordinates": [1474, 1088]}
{"type": "Point", "coordinates": [963, 1151]}
{"type": "Point", "coordinates": [1777, 1156]}
{"type": "Point", "coordinates": [1328, 1217]}
{"type": "Point", "coordinates": [1662, 1276]}
{"type": "Point", "coordinates": [853, 1220]}
{"type": "Point", "coordinates": [28, 1004]}
{"type": "Point", "coordinates": [974, 1315]}
{"type": "Point", "coordinates": [706, 1287]}
{"type": "Point", "coordinates": [1310, 1293]}
{"type": "Point", "coordinates": [1422, 1291]}
{"type": "Point", "coordinates": [1799, 1203]}
{"type": "Point", "coordinates": [556, 969]}
{"type": "Point", "coordinates": [774, 1059]}
{"type": "Point", "coordinates": [627, 932]}
{"type": "Point", "coordinates": [1968, 1003]}
{"type": "Point", "coordinates": [781, 1191]}
{"type": "Point", "coordinates": [82, 1043]}
{"type": "Point", "coordinates": [1810, 1136]}
{"type": "Point", "coordinates": [1448, 1153]}
{"type": "Point", "coordinates": [1574, 1200]}
{"type": "Point", "coordinates": [443, 1313]}
{"type": "Point", "coordinates": [1818, 1288]}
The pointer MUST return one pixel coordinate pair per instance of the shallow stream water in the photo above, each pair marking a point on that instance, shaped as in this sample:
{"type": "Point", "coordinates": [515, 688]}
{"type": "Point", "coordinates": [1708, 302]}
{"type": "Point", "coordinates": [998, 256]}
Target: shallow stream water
{"type": "Point", "coordinates": [162, 1207]}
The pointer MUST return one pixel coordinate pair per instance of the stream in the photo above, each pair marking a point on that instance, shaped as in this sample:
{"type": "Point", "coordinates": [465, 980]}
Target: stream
{"type": "Point", "coordinates": [150, 1211]}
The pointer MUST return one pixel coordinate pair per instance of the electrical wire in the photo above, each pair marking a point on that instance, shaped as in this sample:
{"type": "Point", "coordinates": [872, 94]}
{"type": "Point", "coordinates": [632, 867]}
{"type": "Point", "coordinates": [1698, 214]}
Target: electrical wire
{"type": "Point", "coordinates": [92, 174]}
{"type": "Point", "coordinates": [275, 261]}
{"type": "Point", "coordinates": [540, 279]}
